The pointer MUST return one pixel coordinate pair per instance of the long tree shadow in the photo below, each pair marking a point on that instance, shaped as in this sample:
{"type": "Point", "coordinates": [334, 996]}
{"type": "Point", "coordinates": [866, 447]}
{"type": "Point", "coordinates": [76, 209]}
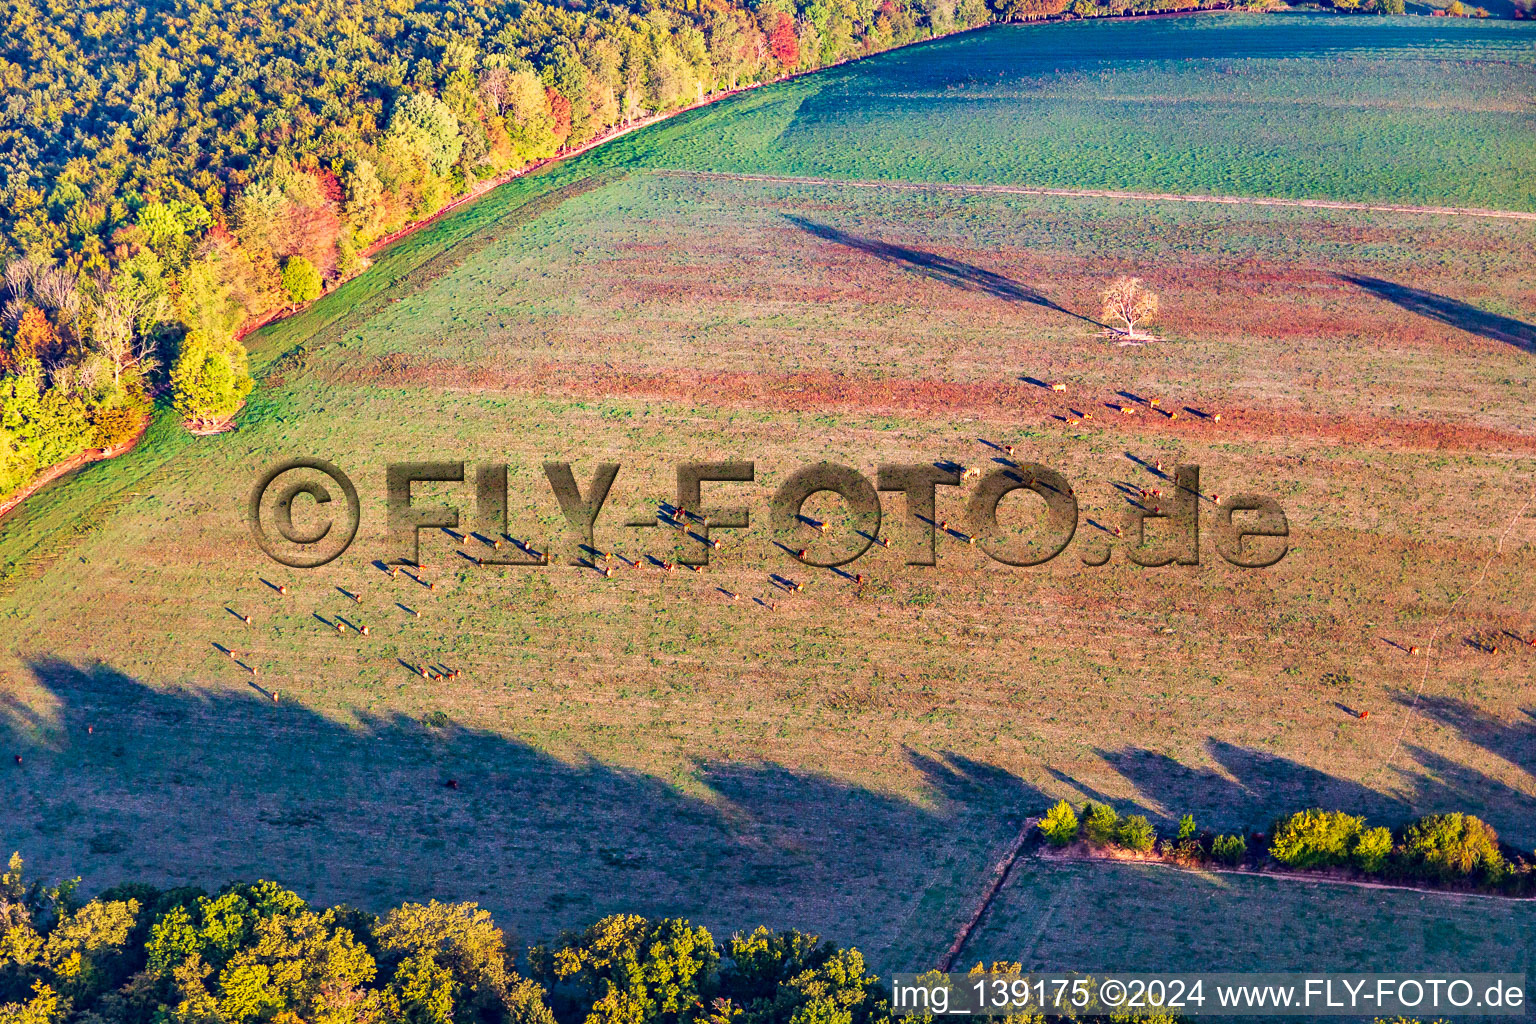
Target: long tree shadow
{"type": "Point", "coordinates": [938, 268]}
{"type": "Point", "coordinates": [1250, 789]}
{"type": "Point", "coordinates": [1450, 311]}
{"type": "Point", "coordinates": [1515, 743]}
{"type": "Point", "coordinates": [1245, 789]}
{"type": "Point", "coordinates": [125, 781]}
{"type": "Point", "coordinates": [122, 781]}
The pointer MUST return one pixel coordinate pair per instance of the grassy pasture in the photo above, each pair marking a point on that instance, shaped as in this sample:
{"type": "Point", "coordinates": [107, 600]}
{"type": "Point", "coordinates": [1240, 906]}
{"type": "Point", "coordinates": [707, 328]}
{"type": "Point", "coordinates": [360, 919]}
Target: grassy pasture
{"type": "Point", "coordinates": [853, 760]}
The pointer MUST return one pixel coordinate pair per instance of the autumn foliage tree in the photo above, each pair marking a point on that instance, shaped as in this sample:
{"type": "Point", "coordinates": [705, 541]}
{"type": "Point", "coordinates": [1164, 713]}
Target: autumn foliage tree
{"type": "Point", "coordinates": [35, 339]}
{"type": "Point", "coordinates": [783, 42]}
{"type": "Point", "coordinates": [450, 962]}
{"type": "Point", "coordinates": [1127, 302]}
{"type": "Point", "coordinates": [560, 113]}
{"type": "Point", "coordinates": [1023, 10]}
{"type": "Point", "coordinates": [160, 172]}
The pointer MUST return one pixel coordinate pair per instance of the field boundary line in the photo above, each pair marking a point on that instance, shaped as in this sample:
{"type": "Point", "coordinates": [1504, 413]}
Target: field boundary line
{"type": "Point", "coordinates": [1102, 193]}
{"type": "Point", "coordinates": [1004, 870]}
{"type": "Point", "coordinates": [1000, 872]}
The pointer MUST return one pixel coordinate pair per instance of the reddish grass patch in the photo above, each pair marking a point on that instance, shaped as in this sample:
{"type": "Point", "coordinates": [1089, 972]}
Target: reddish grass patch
{"type": "Point", "coordinates": [814, 392]}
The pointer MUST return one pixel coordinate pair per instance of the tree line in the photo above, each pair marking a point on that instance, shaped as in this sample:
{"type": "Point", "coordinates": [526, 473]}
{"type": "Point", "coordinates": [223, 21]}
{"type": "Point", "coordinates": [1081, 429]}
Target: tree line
{"type": "Point", "coordinates": [172, 171]}
{"type": "Point", "coordinates": [257, 953]}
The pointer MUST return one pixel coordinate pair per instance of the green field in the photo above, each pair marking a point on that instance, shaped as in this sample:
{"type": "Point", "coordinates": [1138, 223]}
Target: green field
{"type": "Point", "coordinates": [853, 761]}
{"type": "Point", "coordinates": [1381, 109]}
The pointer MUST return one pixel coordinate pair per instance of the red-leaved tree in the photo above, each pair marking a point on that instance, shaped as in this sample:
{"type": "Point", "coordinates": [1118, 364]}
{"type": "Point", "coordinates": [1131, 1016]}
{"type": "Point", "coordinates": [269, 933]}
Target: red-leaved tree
{"type": "Point", "coordinates": [35, 339]}
{"type": "Point", "coordinates": [560, 110]}
{"type": "Point", "coordinates": [783, 41]}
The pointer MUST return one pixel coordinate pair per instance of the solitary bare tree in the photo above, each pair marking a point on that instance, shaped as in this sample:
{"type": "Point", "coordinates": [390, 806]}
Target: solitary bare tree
{"type": "Point", "coordinates": [1126, 301]}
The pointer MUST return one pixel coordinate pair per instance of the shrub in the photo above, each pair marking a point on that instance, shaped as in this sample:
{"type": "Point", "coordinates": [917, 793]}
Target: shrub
{"type": "Point", "coordinates": [1186, 827]}
{"type": "Point", "coordinates": [1229, 849]}
{"type": "Point", "coordinates": [1059, 824]}
{"type": "Point", "coordinates": [1446, 846]}
{"type": "Point", "coordinates": [1136, 833]}
{"type": "Point", "coordinates": [1372, 850]}
{"type": "Point", "coordinates": [1316, 838]}
{"type": "Point", "coordinates": [1188, 852]}
{"type": "Point", "coordinates": [115, 426]}
{"type": "Point", "coordinates": [1101, 825]}
{"type": "Point", "coordinates": [301, 280]}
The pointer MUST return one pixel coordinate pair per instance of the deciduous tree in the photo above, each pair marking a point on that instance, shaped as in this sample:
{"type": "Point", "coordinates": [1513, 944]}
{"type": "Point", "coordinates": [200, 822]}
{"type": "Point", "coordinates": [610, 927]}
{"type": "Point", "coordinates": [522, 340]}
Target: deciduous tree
{"type": "Point", "coordinates": [1128, 302]}
{"type": "Point", "coordinates": [210, 379]}
{"type": "Point", "coordinates": [1059, 824]}
{"type": "Point", "coordinates": [782, 40]}
{"type": "Point", "coordinates": [301, 280]}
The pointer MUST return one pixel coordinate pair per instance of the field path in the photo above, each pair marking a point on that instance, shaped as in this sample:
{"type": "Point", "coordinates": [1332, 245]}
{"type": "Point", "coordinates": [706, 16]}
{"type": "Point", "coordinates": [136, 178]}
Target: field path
{"type": "Point", "coordinates": [1104, 193]}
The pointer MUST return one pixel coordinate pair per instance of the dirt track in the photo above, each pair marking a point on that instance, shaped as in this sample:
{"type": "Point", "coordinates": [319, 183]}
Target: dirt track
{"type": "Point", "coordinates": [1102, 193]}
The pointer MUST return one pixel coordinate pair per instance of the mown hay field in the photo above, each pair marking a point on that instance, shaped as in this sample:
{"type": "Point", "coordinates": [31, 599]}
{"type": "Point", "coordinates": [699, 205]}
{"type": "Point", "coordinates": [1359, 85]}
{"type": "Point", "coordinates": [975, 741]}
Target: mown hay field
{"type": "Point", "coordinates": [852, 760]}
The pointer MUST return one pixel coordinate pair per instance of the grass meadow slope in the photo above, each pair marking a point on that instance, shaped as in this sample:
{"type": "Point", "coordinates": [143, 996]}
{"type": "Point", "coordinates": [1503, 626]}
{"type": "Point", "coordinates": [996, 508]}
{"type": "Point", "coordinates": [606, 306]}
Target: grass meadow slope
{"type": "Point", "coordinates": [854, 760]}
{"type": "Point", "coordinates": [1304, 106]}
